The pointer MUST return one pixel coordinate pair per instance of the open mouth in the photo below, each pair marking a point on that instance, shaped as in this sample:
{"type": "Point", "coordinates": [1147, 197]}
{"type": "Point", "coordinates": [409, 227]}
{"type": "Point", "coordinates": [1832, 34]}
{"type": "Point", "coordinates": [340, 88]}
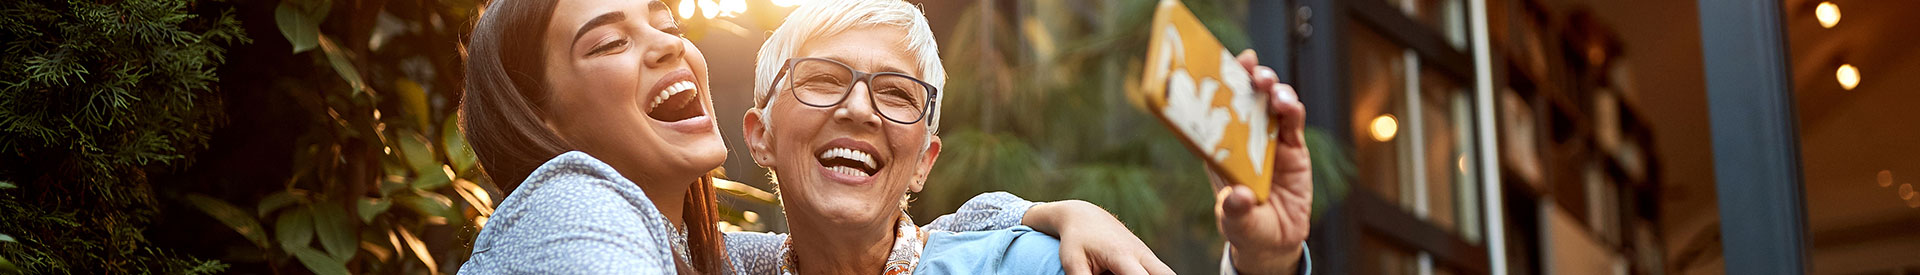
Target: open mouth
{"type": "Point", "coordinates": [850, 158]}
{"type": "Point", "coordinates": [676, 102]}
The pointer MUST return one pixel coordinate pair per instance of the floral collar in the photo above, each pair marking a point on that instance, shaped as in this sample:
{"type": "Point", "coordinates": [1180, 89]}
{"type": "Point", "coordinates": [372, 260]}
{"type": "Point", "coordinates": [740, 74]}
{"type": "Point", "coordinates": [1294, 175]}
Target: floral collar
{"type": "Point", "coordinates": [908, 240]}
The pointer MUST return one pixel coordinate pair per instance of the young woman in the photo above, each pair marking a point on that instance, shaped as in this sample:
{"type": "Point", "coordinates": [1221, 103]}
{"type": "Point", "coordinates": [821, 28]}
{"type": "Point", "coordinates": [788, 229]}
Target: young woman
{"type": "Point", "coordinates": [595, 117]}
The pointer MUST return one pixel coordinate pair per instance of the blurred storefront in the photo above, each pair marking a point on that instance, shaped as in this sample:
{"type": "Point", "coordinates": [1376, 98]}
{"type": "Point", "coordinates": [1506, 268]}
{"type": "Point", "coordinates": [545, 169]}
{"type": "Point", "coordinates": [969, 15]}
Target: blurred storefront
{"type": "Point", "coordinates": [1572, 137]}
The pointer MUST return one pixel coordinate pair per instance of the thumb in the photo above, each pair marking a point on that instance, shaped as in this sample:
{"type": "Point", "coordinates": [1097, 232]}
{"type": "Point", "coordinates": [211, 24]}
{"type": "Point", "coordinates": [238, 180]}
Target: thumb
{"type": "Point", "coordinates": [1236, 213]}
{"type": "Point", "coordinates": [1236, 201]}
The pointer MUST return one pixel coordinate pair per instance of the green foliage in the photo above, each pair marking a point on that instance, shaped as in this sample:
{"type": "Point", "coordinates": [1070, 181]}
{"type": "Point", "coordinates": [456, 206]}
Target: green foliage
{"type": "Point", "coordinates": [94, 96]}
{"type": "Point", "coordinates": [382, 163]}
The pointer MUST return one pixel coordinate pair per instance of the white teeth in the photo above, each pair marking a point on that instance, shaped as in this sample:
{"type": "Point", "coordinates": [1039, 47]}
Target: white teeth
{"type": "Point", "coordinates": [848, 171]}
{"type": "Point", "coordinates": [671, 90]}
{"type": "Point", "coordinates": [851, 154]}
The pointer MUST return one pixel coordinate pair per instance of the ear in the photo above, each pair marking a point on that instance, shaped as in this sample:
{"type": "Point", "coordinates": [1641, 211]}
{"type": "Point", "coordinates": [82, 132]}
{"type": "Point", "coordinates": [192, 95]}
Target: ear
{"type": "Point", "coordinates": [926, 164]}
{"type": "Point", "coordinates": [759, 143]}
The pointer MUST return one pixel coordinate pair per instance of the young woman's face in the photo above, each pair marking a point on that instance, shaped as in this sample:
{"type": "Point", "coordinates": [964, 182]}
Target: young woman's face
{"type": "Point", "coordinates": [818, 151]}
{"type": "Point", "coordinates": [629, 90]}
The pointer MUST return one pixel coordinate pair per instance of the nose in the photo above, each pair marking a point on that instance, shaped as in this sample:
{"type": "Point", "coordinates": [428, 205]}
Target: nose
{"type": "Point", "coordinates": [857, 109]}
{"type": "Point", "coordinates": [663, 49]}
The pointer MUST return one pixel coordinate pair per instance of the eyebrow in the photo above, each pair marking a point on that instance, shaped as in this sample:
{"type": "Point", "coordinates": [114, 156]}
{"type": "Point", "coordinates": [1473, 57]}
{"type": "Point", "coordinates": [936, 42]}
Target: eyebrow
{"type": "Point", "coordinates": [603, 19]}
{"type": "Point", "coordinates": [882, 68]}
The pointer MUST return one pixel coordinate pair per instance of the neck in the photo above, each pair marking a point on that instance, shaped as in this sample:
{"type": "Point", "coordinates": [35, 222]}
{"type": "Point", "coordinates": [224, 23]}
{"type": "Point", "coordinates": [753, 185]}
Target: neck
{"type": "Point", "coordinates": [672, 206]}
{"type": "Point", "coordinates": [828, 249]}
{"type": "Point", "coordinates": [668, 195]}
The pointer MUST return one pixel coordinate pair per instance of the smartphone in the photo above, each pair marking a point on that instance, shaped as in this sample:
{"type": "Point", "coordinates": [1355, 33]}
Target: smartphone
{"type": "Point", "coordinates": [1194, 86]}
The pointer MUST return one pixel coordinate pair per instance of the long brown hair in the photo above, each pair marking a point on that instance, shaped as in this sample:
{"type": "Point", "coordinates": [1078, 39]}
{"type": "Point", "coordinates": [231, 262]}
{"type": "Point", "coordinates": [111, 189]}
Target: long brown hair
{"type": "Point", "coordinates": [500, 115]}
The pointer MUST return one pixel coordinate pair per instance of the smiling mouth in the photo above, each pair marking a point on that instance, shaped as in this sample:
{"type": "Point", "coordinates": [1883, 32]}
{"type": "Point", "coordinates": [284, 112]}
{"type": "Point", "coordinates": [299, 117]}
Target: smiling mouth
{"type": "Point", "coordinates": [676, 102]}
{"type": "Point", "coordinates": [849, 161]}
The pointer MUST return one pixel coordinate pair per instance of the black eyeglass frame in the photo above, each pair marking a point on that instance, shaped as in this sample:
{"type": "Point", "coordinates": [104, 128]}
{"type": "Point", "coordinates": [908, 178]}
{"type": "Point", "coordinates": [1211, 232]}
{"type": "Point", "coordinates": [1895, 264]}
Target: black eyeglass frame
{"type": "Point", "coordinates": [859, 76]}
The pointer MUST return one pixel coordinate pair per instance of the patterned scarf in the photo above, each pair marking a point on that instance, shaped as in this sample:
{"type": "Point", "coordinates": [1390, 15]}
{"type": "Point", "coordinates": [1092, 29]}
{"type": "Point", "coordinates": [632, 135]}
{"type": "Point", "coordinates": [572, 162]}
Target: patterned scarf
{"type": "Point", "coordinates": [907, 242]}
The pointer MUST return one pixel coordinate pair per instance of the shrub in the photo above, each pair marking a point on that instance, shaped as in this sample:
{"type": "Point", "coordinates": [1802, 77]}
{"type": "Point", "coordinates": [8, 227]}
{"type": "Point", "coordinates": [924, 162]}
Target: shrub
{"type": "Point", "coordinates": [94, 96]}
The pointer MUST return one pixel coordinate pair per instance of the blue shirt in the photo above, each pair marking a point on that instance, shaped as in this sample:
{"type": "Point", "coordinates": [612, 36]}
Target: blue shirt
{"type": "Point", "coordinates": [1016, 250]}
{"type": "Point", "coordinates": [574, 215]}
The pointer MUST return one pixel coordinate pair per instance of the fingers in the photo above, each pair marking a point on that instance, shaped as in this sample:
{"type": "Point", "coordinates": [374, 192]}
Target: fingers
{"type": "Point", "coordinates": [1155, 266]}
{"type": "Point", "coordinates": [1264, 79]}
{"type": "Point", "coordinates": [1075, 263]}
{"type": "Point", "coordinates": [1129, 268]}
{"type": "Point", "coordinates": [1291, 114]}
{"type": "Point", "coordinates": [1247, 59]}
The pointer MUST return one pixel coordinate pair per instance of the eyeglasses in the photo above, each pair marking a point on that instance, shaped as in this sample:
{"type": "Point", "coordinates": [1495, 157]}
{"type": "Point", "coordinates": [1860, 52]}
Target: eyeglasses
{"type": "Point", "coordinates": [823, 83]}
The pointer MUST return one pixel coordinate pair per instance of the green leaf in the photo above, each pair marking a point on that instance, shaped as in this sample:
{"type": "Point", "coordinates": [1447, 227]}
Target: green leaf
{"type": "Point", "coordinates": [7, 267]}
{"type": "Point", "coordinates": [387, 187]}
{"type": "Point", "coordinates": [343, 65]}
{"type": "Point", "coordinates": [373, 207]}
{"type": "Point", "coordinates": [431, 181]}
{"type": "Point", "coordinates": [414, 99]}
{"type": "Point", "coordinates": [336, 231]}
{"type": "Point", "coordinates": [318, 262]}
{"type": "Point", "coordinates": [299, 21]}
{"type": "Point", "coordinates": [9, 184]}
{"type": "Point", "coordinates": [233, 217]}
{"type": "Point", "coordinates": [294, 228]}
{"type": "Point", "coordinates": [7, 238]}
{"type": "Point", "coordinates": [427, 203]}
{"type": "Point", "coordinates": [413, 150]}
{"type": "Point", "coordinates": [458, 153]}
{"type": "Point", "coordinates": [279, 200]}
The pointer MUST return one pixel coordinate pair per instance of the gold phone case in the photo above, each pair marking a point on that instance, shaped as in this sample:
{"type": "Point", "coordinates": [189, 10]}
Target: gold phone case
{"type": "Point", "coordinates": [1194, 85]}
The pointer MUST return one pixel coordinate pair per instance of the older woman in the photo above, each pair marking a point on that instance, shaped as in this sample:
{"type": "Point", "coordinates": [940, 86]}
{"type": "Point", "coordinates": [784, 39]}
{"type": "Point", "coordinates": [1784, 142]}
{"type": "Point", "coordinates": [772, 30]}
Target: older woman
{"type": "Point", "coordinates": [846, 116]}
{"type": "Point", "coordinates": [594, 116]}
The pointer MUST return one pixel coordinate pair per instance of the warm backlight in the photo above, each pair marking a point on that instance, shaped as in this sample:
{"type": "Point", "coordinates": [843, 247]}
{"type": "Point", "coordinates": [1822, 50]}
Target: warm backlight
{"type": "Point", "coordinates": [1384, 127]}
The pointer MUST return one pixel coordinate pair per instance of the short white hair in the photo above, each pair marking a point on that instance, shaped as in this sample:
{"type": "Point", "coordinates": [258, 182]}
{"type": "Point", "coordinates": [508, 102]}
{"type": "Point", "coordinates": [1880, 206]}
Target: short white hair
{"type": "Point", "coordinates": [824, 18]}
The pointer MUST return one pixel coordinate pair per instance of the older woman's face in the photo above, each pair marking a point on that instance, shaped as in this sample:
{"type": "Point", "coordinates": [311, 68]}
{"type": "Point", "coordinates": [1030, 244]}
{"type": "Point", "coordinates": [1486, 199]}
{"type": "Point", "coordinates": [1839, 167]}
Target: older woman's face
{"type": "Point", "coordinates": [845, 165]}
{"type": "Point", "coordinates": [629, 90]}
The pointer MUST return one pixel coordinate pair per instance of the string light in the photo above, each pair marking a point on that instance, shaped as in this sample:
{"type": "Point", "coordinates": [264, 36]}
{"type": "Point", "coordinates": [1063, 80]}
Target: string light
{"type": "Point", "coordinates": [1848, 75]}
{"type": "Point", "coordinates": [708, 8]}
{"type": "Point", "coordinates": [730, 8]}
{"type": "Point", "coordinates": [686, 9]}
{"type": "Point", "coordinates": [1828, 13]}
{"type": "Point", "coordinates": [1384, 127]}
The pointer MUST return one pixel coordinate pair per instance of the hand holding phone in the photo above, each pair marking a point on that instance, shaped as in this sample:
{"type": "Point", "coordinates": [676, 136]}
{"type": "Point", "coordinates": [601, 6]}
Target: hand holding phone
{"type": "Point", "coordinates": [1235, 115]}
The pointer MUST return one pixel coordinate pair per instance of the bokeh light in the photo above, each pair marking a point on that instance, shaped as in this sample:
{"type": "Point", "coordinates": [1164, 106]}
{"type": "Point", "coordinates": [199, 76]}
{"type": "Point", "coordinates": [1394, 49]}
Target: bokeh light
{"type": "Point", "coordinates": [1385, 127]}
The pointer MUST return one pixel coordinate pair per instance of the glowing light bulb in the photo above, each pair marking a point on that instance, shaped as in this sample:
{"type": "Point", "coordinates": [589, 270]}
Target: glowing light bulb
{"type": "Point", "coordinates": [1384, 127]}
{"type": "Point", "coordinates": [708, 8]}
{"type": "Point", "coordinates": [730, 8]}
{"type": "Point", "coordinates": [1828, 13]}
{"type": "Point", "coordinates": [1848, 75]}
{"type": "Point", "coordinates": [686, 9]}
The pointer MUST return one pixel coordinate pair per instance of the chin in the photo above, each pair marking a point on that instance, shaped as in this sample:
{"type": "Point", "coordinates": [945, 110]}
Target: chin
{"type": "Point", "coordinates": [706, 153]}
{"type": "Point", "coordinates": [850, 209]}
